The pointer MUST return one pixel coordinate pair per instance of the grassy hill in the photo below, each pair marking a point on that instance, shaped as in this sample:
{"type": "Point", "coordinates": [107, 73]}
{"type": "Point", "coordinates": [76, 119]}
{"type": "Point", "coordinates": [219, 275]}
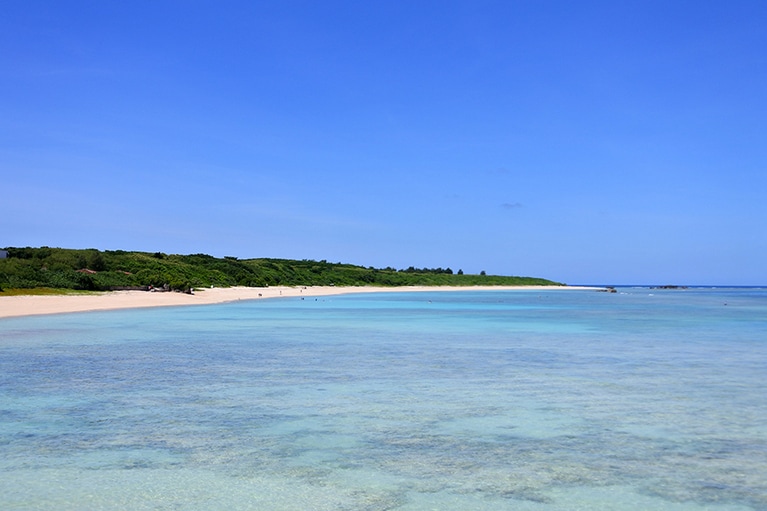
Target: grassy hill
{"type": "Point", "coordinates": [91, 269]}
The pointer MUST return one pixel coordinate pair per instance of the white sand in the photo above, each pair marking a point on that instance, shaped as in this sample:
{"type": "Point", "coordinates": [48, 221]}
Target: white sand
{"type": "Point", "coordinates": [13, 306]}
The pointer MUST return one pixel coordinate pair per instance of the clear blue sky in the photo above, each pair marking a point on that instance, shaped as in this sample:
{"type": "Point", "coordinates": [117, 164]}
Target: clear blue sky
{"type": "Point", "coordinates": [586, 142]}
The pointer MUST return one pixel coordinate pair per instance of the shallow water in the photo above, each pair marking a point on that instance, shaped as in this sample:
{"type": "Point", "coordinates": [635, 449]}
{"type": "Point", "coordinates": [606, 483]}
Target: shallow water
{"type": "Point", "coordinates": [555, 400]}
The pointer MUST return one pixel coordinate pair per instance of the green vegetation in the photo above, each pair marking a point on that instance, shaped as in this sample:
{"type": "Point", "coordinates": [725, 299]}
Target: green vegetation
{"type": "Point", "coordinates": [42, 291]}
{"type": "Point", "coordinates": [94, 270]}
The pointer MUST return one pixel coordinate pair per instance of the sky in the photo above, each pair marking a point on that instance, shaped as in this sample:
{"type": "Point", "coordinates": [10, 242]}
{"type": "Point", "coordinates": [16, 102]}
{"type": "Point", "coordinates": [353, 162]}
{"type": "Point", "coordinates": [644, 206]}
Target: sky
{"type": "Point", "coordinates": [590, 142]}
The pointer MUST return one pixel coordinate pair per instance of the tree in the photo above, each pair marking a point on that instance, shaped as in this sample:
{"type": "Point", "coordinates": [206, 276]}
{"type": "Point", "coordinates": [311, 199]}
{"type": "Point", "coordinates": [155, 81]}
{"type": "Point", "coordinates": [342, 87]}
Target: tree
{"type": "Point", "coordinates": [96, 262]}
{"type": "Point", "coordinates": [483, 273]}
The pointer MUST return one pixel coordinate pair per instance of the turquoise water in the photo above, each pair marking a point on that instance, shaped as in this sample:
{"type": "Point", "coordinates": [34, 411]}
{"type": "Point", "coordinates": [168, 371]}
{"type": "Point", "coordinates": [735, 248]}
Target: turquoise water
{"type": "Point", "coordinates": [503, 400]}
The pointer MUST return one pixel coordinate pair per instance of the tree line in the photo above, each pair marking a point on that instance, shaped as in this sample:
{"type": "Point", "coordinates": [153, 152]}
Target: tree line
{"type": "Point", "coordinates": [97, 270]}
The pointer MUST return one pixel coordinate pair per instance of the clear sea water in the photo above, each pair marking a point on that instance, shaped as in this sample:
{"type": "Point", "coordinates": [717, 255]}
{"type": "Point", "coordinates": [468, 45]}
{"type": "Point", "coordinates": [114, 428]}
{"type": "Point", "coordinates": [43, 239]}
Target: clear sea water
{"type": "Point", "coordinates": [495, 400]}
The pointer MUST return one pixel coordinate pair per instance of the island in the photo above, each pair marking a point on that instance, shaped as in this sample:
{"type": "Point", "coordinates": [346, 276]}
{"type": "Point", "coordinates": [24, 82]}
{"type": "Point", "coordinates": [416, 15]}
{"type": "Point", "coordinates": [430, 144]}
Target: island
{"type": "Point", "coordinates": [119, 270]}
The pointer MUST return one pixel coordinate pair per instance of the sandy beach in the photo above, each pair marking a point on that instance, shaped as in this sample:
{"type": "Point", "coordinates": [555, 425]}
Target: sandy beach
{"type": "Point", "coordinates": [14, 306]}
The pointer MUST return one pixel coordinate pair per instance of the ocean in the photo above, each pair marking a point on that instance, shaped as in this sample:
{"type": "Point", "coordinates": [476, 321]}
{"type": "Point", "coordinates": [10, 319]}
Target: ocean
{"type": "Point", "coordinates": [643, 399]}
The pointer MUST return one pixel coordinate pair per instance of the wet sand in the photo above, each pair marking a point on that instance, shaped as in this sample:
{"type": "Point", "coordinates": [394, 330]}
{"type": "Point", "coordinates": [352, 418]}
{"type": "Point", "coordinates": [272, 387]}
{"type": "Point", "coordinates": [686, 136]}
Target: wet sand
{"type": "Point", "coordinates": [30, 305]}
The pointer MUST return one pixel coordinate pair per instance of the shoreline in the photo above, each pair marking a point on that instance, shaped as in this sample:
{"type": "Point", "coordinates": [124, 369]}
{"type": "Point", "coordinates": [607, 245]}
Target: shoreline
{"type": "Point", "coordinates": [35, 305]}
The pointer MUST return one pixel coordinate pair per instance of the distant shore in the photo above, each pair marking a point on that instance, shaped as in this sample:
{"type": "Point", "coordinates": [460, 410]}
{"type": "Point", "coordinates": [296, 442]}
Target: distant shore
{"type": "Point", "coordinates": [32, 305]}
